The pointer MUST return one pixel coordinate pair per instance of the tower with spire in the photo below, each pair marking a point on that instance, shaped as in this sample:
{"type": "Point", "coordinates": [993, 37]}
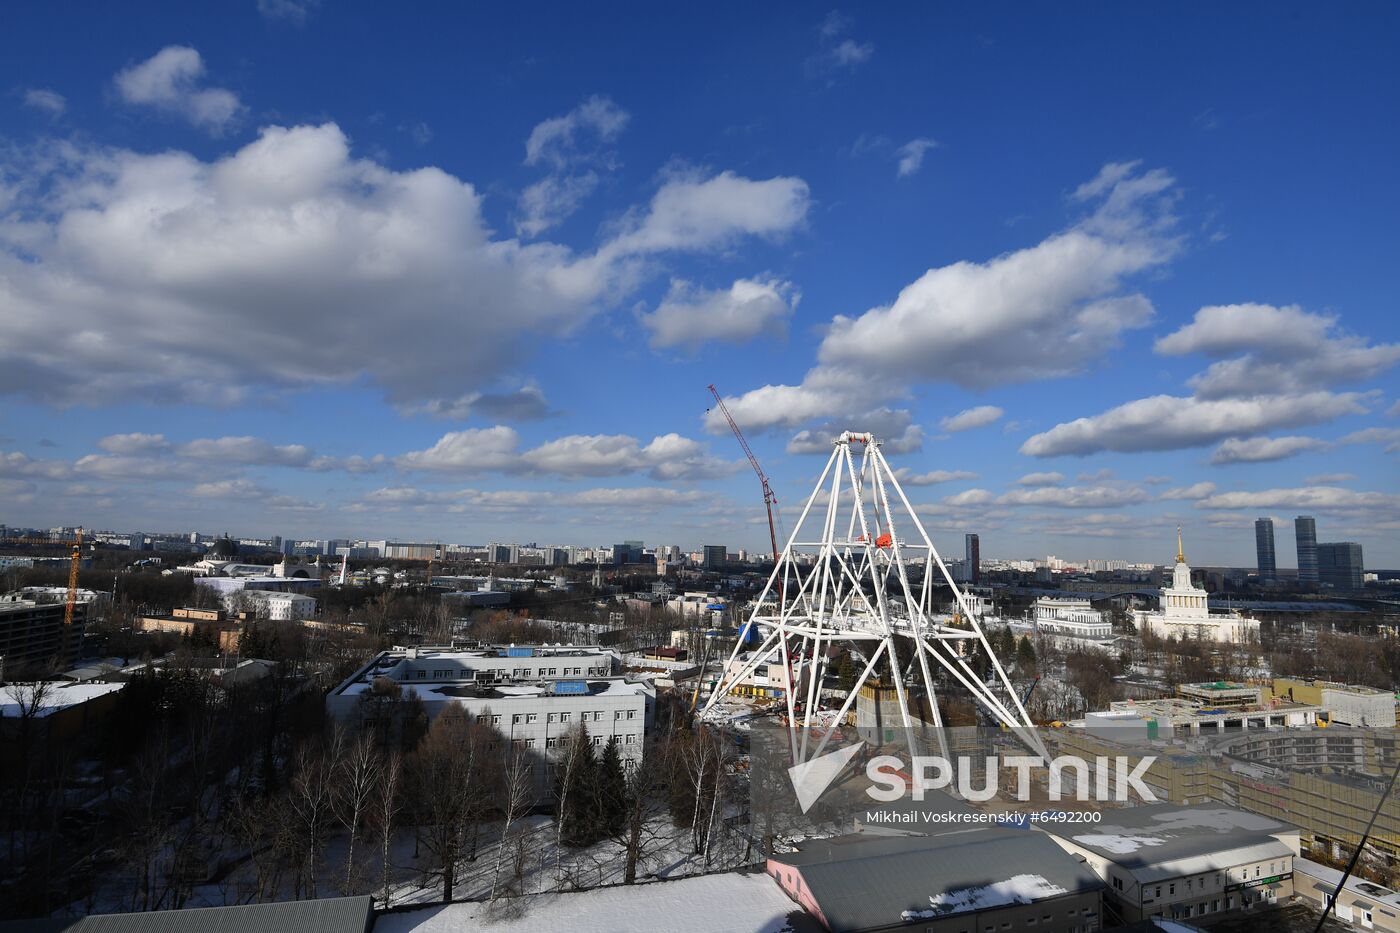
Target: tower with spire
{"type": "Point", "coordinates": [1184, 611]}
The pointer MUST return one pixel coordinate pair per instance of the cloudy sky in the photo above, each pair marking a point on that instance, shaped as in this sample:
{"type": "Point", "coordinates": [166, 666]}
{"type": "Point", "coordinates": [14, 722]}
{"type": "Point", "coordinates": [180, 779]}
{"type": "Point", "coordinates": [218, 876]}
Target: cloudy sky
{"type": "Point", "coordinates": [331, 269]}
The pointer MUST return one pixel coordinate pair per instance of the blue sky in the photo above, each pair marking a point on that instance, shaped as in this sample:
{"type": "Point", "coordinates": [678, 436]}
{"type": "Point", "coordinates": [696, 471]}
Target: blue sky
{"type": "Point", "coordinates": [327, 269]}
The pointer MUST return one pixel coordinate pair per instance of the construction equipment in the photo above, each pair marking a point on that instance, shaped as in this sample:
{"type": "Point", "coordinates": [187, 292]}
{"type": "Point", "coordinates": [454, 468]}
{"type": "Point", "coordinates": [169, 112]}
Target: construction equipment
{"type": "Point", "coordinates": [700, 678]}
{"type": "Point", "coordinates": [769, 500]}
{"type": "Point", "coordinates": [72, 601]}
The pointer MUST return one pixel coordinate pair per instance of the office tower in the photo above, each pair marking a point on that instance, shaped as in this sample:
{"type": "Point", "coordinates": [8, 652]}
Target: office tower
{"type": "Point", "coordinates": [716, 555]}
{"type": "Point", "coordinates": [972, 559]}
{"type": "Point", "coordinates": [1339, 564]}
{"type": "Point", "coordinates": [1264, 544]}
{"type": "Point", "coordinates": [1305, 530]}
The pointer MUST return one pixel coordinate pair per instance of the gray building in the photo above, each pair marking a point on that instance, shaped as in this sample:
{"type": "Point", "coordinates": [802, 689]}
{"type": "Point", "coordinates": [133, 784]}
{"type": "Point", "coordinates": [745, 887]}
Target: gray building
{"type": "Point", "coordinates": [31, 632]}
{"type": "Point", "coordinates": [1264, 546]}
{"type": "Point", "coordinates": [1177, 862]}
{"type": "Point", "coordinates": [715, 556]}
{"type": "Point", "coordinates": [972, 559]}
{"type": "Point", "coordinates": [323, 915]}
{"type": "Point", "coordinates": [983, 878]}
{"type": "Point", "coordinates": [1305, 530]}
{"type": "Point", "coordinates": [1339, 564]}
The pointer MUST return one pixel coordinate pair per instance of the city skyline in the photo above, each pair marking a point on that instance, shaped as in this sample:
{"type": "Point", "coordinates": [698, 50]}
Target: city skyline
{"type": "Point", "coordinates": [479, 292]}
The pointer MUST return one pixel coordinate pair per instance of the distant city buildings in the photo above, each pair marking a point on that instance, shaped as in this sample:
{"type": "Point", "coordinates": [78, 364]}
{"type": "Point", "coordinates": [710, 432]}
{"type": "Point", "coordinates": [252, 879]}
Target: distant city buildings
{"type": "Point", "coordinates": [715, 555]}
{"type": "Point", "coordinates": [1264, 547]}
{"type": "Point", "coordinates": [972, 559]}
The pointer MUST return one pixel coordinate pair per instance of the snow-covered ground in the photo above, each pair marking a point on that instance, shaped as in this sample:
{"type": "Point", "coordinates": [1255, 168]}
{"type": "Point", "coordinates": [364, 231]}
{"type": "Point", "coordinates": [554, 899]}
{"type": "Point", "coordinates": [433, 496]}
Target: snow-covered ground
{"type": "Point", "coordinates": [730, 903]}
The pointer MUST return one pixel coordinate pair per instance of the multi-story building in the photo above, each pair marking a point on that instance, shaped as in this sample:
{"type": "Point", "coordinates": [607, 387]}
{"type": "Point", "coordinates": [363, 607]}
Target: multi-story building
{"type": "Point", "coordinates": [534, 696]}
{"type": "Point", "coordinates": [1305, 531]}
{"type": "Point", "coordinates": [32, 632]}
{"type": "Point", "coordinates": [1339, 565]}
{"type": "Point", "coordinates": [1181, 863]}
{"type": "Point", "coordinates": [1345, 704]}
{"type": "Point", "coordinates": [273, 605]}
{"type": "Point", "coordinates": [715, 556]}
{"type": "Point", "coordinates": [1072, 618]}
{"type": "Point", "coordinates": [972, 558]}
{"type": "Point", "coordinates": [1264, 546]}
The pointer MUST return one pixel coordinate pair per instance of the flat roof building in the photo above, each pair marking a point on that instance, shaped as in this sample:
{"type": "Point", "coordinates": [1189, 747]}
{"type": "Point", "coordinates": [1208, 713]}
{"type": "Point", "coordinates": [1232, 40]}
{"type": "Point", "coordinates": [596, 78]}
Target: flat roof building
{"type": "Point", "coordinates": [968, 879]}
{"type": "Point", "coordinates": [1182, 863]}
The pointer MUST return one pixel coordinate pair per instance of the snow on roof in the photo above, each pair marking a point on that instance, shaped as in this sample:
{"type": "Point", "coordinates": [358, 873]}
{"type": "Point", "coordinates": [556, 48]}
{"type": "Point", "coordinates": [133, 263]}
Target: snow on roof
{"type": "Point", "coordinates": [14, 698]}
{"type": "Point", "coordinates": [1018, 889]}
{"type": "Point", "coordinates": [728, 903]}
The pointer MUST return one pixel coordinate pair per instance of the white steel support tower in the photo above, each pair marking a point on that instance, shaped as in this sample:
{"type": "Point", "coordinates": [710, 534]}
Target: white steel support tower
{"type": "Point", "coordinates": [854, 590]}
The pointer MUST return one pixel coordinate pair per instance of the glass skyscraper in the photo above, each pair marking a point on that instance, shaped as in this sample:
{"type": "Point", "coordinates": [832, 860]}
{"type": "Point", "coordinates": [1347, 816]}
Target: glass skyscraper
{"type": "Point", "coordinates": [1306, 531]}
{"type": "Point", "coordinates": [1264, 544]}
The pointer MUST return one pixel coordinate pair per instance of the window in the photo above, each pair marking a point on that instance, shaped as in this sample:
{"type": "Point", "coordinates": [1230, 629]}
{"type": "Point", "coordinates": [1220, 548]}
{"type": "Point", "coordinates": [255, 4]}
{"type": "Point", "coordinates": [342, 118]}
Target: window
{"type": "Point", "coordinates": [551, 671]}
{"type": "Point", "coordinates": [529, 743]}
{"type": "Point", "coordinates": [1171, 889]}
{"type": "Point", "coordinates": [532, 717]}
{"type": "Point", "coordinates": [551, 717]}
{"type": "Point", "coordinates": [597, 740]}
{"type": "Point", "coordinates": [551, 742]}
{"type": "Point", "coordinates": [564, 717]}
{"type": "Point", "coordinates": [515, 720]}
{"type": "Point", "coordinates": [481, 720]}
{"type": "Point", "coordinates": [631, 740]}
{"type": "Point", "coordinates": [631, 714]}
{"type": "Point", "coordinates": [617, 715]}
{"type": "Point", "coordinates": [421, 675]}
{"type": "Point", "coordinates": [496, 719]}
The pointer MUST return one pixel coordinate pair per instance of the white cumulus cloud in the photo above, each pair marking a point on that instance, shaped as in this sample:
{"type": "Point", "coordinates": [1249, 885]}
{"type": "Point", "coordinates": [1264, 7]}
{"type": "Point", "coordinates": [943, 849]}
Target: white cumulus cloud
{"type": "Point", "coordinates": [689, 316]}
{"type": "Point", "coordinates": [970, 418]}
{"type": "Point", "coordinates": [1263, 449]}
{"type": "Point", "coordinates": [170, 81]}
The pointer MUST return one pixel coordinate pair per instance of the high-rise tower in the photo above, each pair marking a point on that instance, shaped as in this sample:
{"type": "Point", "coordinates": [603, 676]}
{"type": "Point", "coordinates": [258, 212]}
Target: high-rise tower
{"type": "Point", "coordinates": [1305, 530]}
{"type": "Point", "coordinates": [1264, 544]}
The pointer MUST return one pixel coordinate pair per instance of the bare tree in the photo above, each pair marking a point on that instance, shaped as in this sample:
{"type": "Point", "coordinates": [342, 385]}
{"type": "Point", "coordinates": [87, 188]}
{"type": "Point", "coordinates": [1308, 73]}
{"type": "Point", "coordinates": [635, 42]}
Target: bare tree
{"type": "Point", "coordinates": [387, 803]}
{"type": "Point", "coordinates": [452, 786]}
{"type": "Point", "coordinates": [357, 775]}
{"type": "Point", "coordinates": [516, 797]}
{"type": "Point", "coordinates": [310, 803]}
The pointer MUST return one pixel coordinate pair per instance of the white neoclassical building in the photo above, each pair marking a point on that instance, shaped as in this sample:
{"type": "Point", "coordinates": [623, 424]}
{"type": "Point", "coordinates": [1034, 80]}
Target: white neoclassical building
{"type": "Point", "coordinates": [1185, 613]}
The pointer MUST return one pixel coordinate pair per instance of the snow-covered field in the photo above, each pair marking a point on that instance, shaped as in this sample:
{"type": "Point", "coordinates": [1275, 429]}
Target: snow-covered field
{"type": "Point", "coordinates": [730, 903]}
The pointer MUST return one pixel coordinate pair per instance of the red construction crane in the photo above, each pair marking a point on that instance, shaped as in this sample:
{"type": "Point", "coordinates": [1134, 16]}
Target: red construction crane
{"type": "Point", "coordinates": [72, 601]}
{"type": "Point", "coordinates": [769, 500]}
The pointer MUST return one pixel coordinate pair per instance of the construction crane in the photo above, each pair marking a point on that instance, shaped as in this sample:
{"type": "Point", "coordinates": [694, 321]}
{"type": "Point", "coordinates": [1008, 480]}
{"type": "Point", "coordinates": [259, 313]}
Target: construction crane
{"type": "Point", "coordinates": [72, 601]}
{"type": "Point", "coordinates": [769, 500]}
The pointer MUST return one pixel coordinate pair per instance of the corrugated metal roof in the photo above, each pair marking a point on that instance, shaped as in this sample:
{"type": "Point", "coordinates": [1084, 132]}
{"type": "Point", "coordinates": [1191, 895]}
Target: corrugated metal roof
{"type": "Point", "coordinates": [865, 881]}
{"type": "Point", "coordinates": [325, 915]}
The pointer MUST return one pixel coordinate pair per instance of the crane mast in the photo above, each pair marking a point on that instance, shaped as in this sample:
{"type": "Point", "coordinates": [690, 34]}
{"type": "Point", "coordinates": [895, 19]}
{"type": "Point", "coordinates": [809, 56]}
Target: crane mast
{"type": "Point", "coordinates": [768, 498]}
{"type": "Point", "coordinates": [73, 563]}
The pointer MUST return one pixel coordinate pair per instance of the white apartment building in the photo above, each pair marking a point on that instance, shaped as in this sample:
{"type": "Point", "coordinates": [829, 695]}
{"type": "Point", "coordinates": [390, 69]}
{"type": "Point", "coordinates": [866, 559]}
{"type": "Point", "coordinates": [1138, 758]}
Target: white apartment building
{"type": "Point", "coordinates": [524, 692]}
{"type": "Point", "coordinates": [269, 604]}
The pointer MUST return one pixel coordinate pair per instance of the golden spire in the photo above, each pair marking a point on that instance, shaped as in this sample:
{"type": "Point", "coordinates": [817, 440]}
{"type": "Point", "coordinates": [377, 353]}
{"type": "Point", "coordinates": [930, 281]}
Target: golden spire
{"type": "Point", "coordinates": [1180, 554]}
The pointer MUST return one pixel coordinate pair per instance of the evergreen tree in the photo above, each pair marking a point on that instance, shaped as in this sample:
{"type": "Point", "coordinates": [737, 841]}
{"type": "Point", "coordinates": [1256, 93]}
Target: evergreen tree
{"type": "Point", "coordinates": [611, 790]}
{"type": "Point", "coordinates": [1025, 655]}
{"type": "Point", "coordinates": [576, 796]}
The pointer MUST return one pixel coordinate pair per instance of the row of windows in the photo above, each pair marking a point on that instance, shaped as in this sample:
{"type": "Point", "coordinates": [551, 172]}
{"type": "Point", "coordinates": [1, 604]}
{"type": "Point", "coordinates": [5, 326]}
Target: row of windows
{"type": "Point", "coordinates": [1219, 879]}
{"type": "Point", "coordinates": [558, 742]}
{"type": "Point", "coordinates": [521, 673]}
{"type": "Point", "coordinates": [494, 719]}
{"type": "Point", "coordinates": [1089, 927]}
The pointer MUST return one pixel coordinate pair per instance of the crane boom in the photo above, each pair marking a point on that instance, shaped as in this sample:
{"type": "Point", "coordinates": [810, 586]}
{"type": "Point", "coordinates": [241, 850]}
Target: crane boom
{"type": "Point", "coordinates": [768, 498]}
